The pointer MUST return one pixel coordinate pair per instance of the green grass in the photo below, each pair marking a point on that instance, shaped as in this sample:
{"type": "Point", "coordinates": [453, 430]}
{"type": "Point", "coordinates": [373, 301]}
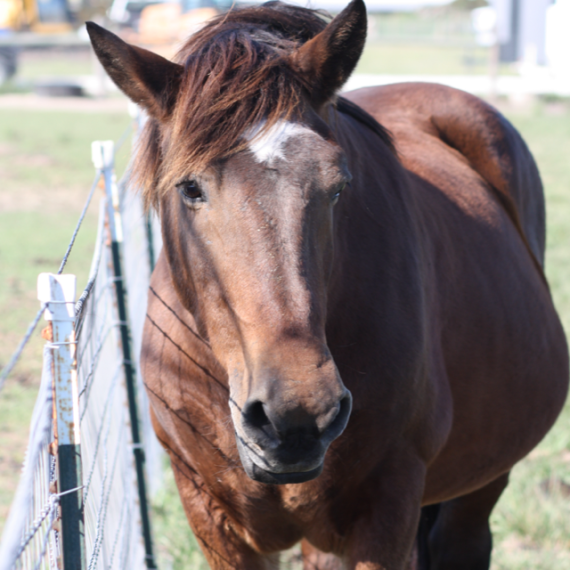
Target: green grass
{"type": "Point", "coordinates": [46, 172]}
{"type": "Point", "coordinates": [34, 64]}
{"type": "Point", "coordinates": [436, 25]}
{"type": "Point", "coordinates": [33, 242]}
{"type": "Point", "coordinates": [437, 41]}
{"type": "Point", "coordinates": [392, 58]}
{"type": "Point", "coordinates": [53, 149]}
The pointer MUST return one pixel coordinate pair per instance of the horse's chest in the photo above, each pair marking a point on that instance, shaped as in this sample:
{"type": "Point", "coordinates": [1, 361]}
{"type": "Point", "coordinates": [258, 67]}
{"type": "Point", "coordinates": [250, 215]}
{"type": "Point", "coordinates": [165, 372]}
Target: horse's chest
{"type": "Point", "coordinates": [293, 513]}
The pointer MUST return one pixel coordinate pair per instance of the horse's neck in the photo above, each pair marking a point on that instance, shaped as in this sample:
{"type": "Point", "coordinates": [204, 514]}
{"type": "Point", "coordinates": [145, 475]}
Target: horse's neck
{"type": "Point", "coordinates": [376, 214]}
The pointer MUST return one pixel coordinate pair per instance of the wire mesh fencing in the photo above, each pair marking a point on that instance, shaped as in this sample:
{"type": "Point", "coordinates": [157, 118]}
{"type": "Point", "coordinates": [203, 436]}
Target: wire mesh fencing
{"type": "Point", "coordinates": [82, 500]}
{"type": "Point", "coordinates": [28, 540]}
{"type": "Point", "coordinates": [142, 244]}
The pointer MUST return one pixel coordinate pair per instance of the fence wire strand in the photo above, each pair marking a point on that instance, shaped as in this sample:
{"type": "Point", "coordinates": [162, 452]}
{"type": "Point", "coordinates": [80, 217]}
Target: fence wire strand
{"type": "Point", "coordinates": [20, 349]}
{"type": "Point", "coordinates": [80, 221]}
{"type": "Point", "coordinates": [93, 271]}
{"type": "Point", "coordinates": [16, 356]}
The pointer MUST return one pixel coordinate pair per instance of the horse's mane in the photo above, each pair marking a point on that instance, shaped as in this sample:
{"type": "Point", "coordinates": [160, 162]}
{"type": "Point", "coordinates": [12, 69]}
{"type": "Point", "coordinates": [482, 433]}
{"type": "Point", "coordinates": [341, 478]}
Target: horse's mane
{"type": "Point", "coordinates": [359, 114]}
{"type": "Point", "coordinates": [237, 74]}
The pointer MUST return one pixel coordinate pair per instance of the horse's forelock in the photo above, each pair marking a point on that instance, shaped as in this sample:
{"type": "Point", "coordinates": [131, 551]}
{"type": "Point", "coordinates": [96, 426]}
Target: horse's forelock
{"type": "Point", "coordinates": [237, 75]}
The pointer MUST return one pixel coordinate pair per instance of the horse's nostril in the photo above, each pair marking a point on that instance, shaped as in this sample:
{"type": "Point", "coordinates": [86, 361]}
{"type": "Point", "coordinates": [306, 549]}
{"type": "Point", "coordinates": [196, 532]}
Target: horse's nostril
{"type": "Point", "coordinates": [339, 421]}
{"type": "Point", "coordinates": [257, 425]}
{"type": "Point", "coordinates": [269, 426]}
{"type": "Point", "coordinates": [254, 414]}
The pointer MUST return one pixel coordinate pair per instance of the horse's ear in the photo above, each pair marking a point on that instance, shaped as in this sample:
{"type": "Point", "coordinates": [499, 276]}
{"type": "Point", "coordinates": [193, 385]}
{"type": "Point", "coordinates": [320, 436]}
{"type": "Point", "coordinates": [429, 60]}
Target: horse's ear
{"type": "Point", "coordinates": [326, 61]}
{"type": "Point", "coordinates": [145, 77]}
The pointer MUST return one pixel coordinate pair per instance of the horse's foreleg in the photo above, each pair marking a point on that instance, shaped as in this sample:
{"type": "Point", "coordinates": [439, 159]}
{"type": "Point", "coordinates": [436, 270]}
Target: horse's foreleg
{"type": "Point", "coordinates": [461, 537]}
{"type": "Point", "coordinates": [383, 537]}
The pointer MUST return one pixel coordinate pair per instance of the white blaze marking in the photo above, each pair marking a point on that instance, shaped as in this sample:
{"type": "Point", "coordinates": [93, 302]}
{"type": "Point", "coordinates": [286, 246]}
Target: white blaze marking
{"type": "Point", "coordinates": [270, 144]}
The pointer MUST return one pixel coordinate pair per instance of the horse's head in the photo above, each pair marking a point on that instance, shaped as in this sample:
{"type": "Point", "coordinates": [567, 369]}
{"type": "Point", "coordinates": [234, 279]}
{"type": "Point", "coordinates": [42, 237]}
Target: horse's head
{"type": "Point", "coordinates": [239, 158]}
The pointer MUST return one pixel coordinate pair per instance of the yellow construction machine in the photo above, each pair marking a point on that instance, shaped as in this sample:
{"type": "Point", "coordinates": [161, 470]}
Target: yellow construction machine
{"type": "Point", "coordinates": [160, 25]}
{"type": "Point", "coordinates": [25, 23]}
{"type": "Point", "coordinates": [42, 16]}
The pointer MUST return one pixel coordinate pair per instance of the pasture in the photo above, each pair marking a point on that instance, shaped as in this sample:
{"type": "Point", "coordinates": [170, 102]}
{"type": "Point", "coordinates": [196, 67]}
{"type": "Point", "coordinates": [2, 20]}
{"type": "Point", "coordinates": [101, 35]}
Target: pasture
{"type": "Point", "coordinates": [46, 172]}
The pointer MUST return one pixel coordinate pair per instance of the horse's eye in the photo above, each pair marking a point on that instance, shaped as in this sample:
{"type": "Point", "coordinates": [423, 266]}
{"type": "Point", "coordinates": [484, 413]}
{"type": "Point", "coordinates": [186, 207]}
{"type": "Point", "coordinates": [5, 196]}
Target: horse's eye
{"type": "Point", "coordinates": [191, 191]}
{"type": "Point", "coordinates": [337, 194]}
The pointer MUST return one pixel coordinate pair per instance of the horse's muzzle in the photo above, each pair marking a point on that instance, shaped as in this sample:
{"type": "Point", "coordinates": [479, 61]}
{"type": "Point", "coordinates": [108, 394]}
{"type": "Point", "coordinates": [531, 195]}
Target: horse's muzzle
{"type": "Point", "coordinates": [281, 448]}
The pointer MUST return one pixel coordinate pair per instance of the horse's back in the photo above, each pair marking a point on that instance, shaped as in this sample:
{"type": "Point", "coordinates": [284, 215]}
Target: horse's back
{"type": "Point", "coordinates": [476, 133]}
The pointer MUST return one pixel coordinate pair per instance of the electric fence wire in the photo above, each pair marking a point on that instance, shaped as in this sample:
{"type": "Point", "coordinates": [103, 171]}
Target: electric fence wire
{"type": "Point", "coordinates": [94, 269]}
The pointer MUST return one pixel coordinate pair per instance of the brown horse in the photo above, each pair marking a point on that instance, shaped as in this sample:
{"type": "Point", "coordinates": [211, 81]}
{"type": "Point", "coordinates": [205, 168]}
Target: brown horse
{"type": "Point", "coordinates": [345, 325]}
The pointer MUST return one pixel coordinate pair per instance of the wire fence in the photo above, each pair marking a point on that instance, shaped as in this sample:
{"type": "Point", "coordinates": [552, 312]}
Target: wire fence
{"type": "Point", "coordinates": [82, 503]}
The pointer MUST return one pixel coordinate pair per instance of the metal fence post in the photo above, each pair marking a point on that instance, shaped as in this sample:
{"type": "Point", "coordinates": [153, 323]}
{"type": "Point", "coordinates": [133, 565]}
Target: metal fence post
{"type": "Point", "coordinates": [150, 241]}
{"type": "Point", "coordinates": [58, 291]}
{"type": "Point", "coordinates": [103, 157]}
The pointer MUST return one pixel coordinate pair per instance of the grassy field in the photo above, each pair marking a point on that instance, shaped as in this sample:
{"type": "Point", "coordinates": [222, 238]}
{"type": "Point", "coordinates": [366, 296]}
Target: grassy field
{"type": "Point", "coordinates": [46, 172]}
{"type": "Point", "coordinates": [382, 56]}
{"type": "Point", "coordinates": [37, 63]}
{"type": "Point", "coordinates": [391, 58]}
